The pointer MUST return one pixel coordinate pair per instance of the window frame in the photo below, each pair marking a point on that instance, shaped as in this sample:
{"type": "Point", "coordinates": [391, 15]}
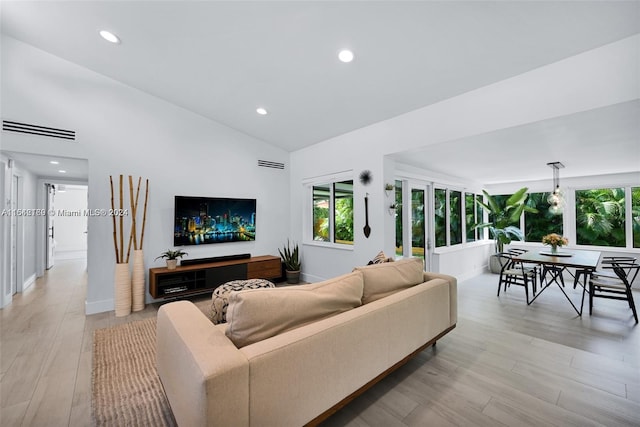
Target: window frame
{"type": "Point", "coordinates": [308, 221]}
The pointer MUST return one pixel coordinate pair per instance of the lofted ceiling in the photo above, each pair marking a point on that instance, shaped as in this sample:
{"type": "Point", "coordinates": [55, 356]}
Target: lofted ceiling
{"type": "Point", "coordinates": [223, 59]}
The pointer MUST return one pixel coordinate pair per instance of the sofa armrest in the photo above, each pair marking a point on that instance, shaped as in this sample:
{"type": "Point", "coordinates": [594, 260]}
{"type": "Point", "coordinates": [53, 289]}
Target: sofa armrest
{"type": "Point", "coordinates": [453, 292]}
{"type": "Point", "coordinates": [205, 377]}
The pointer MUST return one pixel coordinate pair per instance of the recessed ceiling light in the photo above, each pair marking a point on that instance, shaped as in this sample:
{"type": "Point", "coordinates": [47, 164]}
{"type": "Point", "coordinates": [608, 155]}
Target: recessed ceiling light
{"type": "Point", "coordinates": [54, 162]}
{"type": "Point", "coordinates": [345, 55]}
{"type": "Point", "coordinates": [62, 171]}
{"type": "Point", "coordinates": [261, 111]}
{"type": "Point", "coordinates": [109, 36]}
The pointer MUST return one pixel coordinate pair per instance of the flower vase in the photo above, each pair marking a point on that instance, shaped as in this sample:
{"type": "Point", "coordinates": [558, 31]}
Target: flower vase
{"type": "Point", "coordinates": [122, 284]}
{"type": "Point", "coordinates": [137, 281]}
{"type": "Point", "coordinates": [554, 249]}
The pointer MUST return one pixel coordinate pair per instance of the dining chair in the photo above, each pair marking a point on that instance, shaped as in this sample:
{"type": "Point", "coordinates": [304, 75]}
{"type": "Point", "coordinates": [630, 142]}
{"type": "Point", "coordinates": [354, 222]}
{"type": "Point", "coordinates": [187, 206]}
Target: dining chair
{"type": "Point", "coordinates": [528, 267]}
{"type": "Point", "coordinates": [514, 273]}
{"type": "Point", "coordinates": [614, 288]}
{"type": "Point", "coordinates": [606, 269]}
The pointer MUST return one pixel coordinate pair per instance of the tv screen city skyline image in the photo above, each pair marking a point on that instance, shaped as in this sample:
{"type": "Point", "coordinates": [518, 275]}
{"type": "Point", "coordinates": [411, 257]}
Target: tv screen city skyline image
{"type": "Point", "coordinates": [204, 220]}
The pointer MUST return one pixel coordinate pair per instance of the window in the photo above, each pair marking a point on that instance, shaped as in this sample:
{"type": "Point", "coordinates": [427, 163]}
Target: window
{"type": "Point", "coordinates": [470, 216]}
{"type": "Point", "coordinates": [440, 211]}
{"type": "Point", "coordinates": [398, 201]}
{"type": "Point", "coordinates": [544, 222]}
{"type": "Point", "coordinates": [635, 214]}
{"type": "Point", "coordinates": [333, 212]}
{"type": "Point", "coordinates": [455, 217]}
{"type": "Point", "coordinates": [600, 217]}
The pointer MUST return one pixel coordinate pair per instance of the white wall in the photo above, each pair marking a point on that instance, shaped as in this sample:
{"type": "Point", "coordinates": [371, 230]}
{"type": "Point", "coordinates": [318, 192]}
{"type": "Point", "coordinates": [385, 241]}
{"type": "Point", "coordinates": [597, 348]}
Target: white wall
{"type": "Point", "coordinates": [121, 130]}
{"type": "Point", "coordinates": [594, 79]}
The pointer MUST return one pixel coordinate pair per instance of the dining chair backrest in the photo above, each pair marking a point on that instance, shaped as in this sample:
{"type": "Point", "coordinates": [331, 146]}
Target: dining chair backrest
{"type": "Point", "coordinates": [626, 272]}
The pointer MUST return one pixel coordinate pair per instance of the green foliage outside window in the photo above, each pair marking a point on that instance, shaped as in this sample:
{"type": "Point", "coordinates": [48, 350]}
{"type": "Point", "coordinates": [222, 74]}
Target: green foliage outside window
{"type": "Point", "coordinates": [469, 216]}
{"type": "Point", "coordinates": [455, 217]}
{"type": "Point", "coordinates": [398, 196]}
{"type": "Point", "coordinates": [440, 210]}
{"type": "Point", "coordinates": [344, 220]}
{"type": "Point", "coordinates": [417, 225]}
{"type": "Point", "coordinates": [600, 217]}
{"type": "Point", "coordinates": [635, 214]}
{"type": "Point", "coordinates": [537, 225]}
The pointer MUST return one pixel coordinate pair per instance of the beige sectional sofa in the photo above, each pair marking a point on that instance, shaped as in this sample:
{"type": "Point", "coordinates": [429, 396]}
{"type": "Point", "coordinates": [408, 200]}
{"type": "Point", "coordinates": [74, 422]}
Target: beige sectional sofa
{"type": "Point", "coordinates": [293, 355]}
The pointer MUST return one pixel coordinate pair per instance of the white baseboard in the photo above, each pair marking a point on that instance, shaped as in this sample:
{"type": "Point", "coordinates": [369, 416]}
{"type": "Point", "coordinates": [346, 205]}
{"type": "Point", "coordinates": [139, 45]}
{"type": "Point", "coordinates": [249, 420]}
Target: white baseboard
{"type": "Point", "coordinates": [30, 281]}
{"type": "Point", "coordinates": [98, 306]}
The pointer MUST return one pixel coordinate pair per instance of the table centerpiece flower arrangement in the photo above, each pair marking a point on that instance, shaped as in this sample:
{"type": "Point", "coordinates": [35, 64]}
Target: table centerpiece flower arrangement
{"type": "Point", "coordinates": [554, 240]}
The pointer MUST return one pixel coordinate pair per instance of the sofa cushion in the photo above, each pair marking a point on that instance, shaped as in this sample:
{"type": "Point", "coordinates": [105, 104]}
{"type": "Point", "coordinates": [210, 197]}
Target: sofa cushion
{"type": "Point", "coordinates": [257, 314]}
{"type": "Point", "coordinates": [384, 279]}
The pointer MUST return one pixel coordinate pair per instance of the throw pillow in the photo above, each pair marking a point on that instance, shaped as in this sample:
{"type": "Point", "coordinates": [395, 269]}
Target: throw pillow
{"type": "Point", "coordinates": [387, 278]}
{"type": "Point", "coordinates": [220, 296]}
{"type": "Point", "coordinates": [255, 315]}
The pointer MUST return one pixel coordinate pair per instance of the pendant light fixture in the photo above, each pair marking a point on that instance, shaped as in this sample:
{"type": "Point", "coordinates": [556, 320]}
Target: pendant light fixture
{"type": "Point", "coordinates": [556, 198]}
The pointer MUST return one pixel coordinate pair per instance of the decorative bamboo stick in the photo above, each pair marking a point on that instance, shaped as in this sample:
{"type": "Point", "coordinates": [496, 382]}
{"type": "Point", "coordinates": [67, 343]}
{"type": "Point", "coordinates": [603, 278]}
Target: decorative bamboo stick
{"type": "Point", "coordinates": [144, 217]}
{"type": "Point", "coordinates": [132, 234]}
{"type": "Point", "coordinates": [121, 222]}
{"type": "Point", "coordinates": [115, 232]}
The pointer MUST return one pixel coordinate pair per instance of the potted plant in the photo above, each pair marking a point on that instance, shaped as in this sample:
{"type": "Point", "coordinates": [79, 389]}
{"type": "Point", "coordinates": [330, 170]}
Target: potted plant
{"type": "Point", "coordinates": [172, 257]}
{"type": "Point", "coordinates": [501, 215]}
{"type": "Point", "coordinates": [291, 258]}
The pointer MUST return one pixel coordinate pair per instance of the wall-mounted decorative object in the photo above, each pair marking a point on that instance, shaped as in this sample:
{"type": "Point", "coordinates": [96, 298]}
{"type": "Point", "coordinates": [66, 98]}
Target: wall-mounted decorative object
{"type": "Point", "coordinates": [366, 177]}
{"type": "Point", "coordinates": [388, 188]}
{"type": "Point", "coordinates": [366, 229]}
{"type": "Point", "coordinates": [392, 209]}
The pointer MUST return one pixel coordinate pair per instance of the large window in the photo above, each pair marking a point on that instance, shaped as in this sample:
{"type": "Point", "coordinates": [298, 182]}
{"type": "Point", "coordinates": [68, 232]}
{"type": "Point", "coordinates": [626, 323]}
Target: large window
{"type": "Point", "coordinates": [537, 225]}
{"type": "Point", "coordinates": [600, 217]}
{"type": "Point", "coordinates": [455, 217]}
{"type": "Point", "coordinates": [440, 210]}
{"type": "Point", "coordinates": [635, 214]}
{"type": "Point", "coordinates": [399, 230]}
{"type": "Point", "coordinates": [333, 212]}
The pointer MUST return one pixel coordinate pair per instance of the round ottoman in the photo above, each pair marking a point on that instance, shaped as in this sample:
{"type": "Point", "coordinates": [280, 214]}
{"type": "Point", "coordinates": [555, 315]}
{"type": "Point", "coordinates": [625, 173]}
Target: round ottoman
{"type": "Point", "coordinates": [220, 296]}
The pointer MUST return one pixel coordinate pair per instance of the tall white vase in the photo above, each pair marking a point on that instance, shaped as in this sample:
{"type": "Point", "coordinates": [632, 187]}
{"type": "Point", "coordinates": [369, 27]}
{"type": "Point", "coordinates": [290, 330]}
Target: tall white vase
{"type": "Point", "coordinates": [122, 283]}
{"type": "Point", "coordinates": [137, 281]}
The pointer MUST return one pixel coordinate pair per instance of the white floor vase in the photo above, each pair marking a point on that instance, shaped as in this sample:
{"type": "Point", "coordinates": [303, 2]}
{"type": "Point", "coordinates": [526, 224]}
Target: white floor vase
{"type": "Point", "coordinates": [122, 284]}
{"type": "Point", "coordinates": [137, 281]}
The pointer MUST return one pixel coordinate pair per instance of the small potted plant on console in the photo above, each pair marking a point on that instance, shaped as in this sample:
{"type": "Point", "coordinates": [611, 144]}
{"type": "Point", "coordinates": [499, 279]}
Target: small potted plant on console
{"type": "Point", "coordinates": [291, 258]}
{"type": "Point", "coordinates": [172, 257]}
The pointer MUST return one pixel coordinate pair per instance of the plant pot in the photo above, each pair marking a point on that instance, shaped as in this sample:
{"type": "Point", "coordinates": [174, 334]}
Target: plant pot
{"type": "Point", "coordinates": [293, 277]}
{"type": "Point", "coordinates": [122, 284]}
{"type": "Point", "coordinates": [495, 264]}
{"type": "Point", "coordinates": [137, 281]}
{"type": "Point", "coordinates": [172, 264]}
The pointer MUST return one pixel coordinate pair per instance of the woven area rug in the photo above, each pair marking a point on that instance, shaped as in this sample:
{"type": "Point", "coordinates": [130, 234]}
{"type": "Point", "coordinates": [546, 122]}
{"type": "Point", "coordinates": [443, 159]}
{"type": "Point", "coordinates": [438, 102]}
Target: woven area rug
{"type": "Point", "coordinates": [126, 390]}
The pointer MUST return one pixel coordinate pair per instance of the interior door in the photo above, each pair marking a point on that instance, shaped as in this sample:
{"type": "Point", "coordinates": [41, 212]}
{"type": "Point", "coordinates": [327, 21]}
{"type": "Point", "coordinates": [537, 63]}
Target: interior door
{"type": "Point", "coordinates": [51, 193]}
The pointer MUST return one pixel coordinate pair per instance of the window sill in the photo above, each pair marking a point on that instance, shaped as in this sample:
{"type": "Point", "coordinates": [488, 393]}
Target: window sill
{"type": "Point", "coordinates": [329, 245]}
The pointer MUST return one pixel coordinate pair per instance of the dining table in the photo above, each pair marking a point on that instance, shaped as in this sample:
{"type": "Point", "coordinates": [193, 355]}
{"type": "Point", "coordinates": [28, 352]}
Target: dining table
{"type": "Point", "coordinates": [561, 260]}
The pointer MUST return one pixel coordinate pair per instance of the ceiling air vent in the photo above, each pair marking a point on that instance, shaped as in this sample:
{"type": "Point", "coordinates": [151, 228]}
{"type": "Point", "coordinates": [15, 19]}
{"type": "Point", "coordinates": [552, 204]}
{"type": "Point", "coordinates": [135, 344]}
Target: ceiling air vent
{"type": "Point", "coordinates": [10, 126]}
{"type": "Point", "coordinates": [268, 164]}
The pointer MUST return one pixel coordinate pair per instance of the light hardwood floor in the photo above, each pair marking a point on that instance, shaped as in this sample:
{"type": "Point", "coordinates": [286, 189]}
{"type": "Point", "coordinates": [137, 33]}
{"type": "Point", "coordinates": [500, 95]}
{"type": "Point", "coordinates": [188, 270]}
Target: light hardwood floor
{"type": "Point", "coordinates": [506, 363]}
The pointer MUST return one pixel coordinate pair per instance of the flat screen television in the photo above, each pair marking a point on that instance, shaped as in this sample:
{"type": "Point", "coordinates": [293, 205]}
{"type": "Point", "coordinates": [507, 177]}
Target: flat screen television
{"type": "Point", "coordinates": [204, 220]}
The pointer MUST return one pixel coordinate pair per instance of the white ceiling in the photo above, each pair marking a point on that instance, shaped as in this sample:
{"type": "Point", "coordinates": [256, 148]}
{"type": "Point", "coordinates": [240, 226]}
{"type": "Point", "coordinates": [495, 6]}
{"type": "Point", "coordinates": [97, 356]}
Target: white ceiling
{"type": "Point", "coordinates": [224, 59]}
{"type": "Point", "coordinates": [74, 169]}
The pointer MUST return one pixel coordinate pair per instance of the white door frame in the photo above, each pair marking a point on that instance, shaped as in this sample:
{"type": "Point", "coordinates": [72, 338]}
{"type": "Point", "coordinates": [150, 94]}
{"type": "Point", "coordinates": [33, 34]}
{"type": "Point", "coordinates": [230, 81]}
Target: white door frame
{"type": "Point", "coordinates": [5, 189]}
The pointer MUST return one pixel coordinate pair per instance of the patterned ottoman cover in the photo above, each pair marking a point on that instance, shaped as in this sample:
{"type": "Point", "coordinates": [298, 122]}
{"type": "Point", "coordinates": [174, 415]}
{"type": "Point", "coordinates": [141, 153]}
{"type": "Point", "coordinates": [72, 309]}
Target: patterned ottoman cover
{"type": "Point", "coordinates": [220, 296]}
